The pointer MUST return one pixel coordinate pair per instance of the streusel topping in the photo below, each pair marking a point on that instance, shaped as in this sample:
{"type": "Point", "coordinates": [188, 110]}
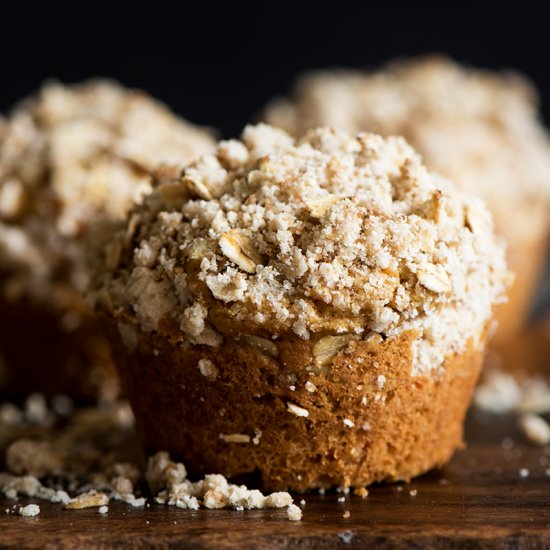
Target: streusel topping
{"type": "Point", "coordinates": [71, 155]}
{"type": "Point", "coordinates": [479, 128]}
{"type": "Point", "coordinates": [328, 235]}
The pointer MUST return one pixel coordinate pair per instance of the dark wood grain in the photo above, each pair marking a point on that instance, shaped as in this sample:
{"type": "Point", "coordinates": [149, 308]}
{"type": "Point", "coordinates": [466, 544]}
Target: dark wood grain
{"type": "Point", "coordinates": [479, 500]}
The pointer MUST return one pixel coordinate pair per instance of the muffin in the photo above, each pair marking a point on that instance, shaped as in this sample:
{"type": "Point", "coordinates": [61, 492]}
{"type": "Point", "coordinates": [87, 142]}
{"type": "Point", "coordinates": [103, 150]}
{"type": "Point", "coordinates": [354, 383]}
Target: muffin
{"type": "Point", "coordinates": [481, 129]}
{"type": "Point", "coordinates": [314, 312]}
{"type": "Point", "coordinates": [72, 160]}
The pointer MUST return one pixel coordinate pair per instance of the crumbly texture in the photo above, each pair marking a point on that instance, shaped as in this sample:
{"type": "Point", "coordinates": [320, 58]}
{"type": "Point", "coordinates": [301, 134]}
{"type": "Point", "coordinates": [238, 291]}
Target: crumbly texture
{"type": "Point", "coordinates": [327, 240]}
{"type": "Point", "coordinates": [168, 481]}
{"type": "Point", "coordinates": [412, 424]}
{"type": "Point", "coordinates": [74, 451]}
{"type": "Point", "coordinates": [30, 510]}
{"type": "Point", "coordinates": [481, 129]}
{"type": "Point", "coordinates": [72, 160]}
{"type": "Point", "coordinates": [92, 455]}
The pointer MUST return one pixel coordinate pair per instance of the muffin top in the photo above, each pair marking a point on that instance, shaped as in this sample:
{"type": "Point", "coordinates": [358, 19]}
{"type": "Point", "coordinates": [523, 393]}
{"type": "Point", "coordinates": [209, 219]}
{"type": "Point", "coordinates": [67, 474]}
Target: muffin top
{"type": "Point", "coordinates": [72, 155]}
{"type": "Point", "coordinates": [479, 128]}
{"type": "Point", "coordinates": [275, 238]}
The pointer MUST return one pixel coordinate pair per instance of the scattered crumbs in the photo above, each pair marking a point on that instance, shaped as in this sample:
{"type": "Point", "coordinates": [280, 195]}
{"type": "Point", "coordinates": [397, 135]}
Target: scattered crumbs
{"type": "Point", "coordinates": [302, 502]}
{"type": "Point", "coordinates": [257, 436]}
{"type": "Point", "coordinates": [524, 472]}
{"type": "Point", "coordinates": [399, 488]}
{"type": "Point", "coordinates": [91, 499]}
{"type": "Point", "coordinates": [361, 492]}
{"type": "Point", "coordinates": [292, 388]}
{"type": "Point", "coordinates": [294, 513]}
{"type": "Point", "coordinates": [235, 438]}
{"type": "Point", "coordinates": [443, 481]}
{"type": "Point", "coordinates": [341, 499]}
{"type": "Point", "coordinates": [535, 428]}
{"type": "Point", "coordinates": [413, 492]}
{"type": "Point", "coordinates": [169, 483]}
{"type": "Point", "coordinates": [498, 393]}
{"type": "Point", "coordinates": [310, 386]}
{"type": "Point", "coordinates": [381, 380]}
{"type": "Point", "coordinates": [346, 536]}
{"type": "Point", "coordinates": [346, 514]}
{"type": "Point", "coordinates": [322, 490]}
{"type": "Point", "coordinates": [103, 509]}
{"type": "Point", "coordinates": [29, 510]}
{"type": "Point", "coordinates": [297, 411]}
{"type": "Point", "coordinates": [147, 522]}
{"type": "Point", "coordinates": [348, 423]}
{"type": "Point", "coordinates": [129, 498]}
{"type": "Point", "coordinates": [207, 368]}
{"type": "Point", "coordinates": [239, 508]}
{"type": "Point", "coordinates": [342, 490]}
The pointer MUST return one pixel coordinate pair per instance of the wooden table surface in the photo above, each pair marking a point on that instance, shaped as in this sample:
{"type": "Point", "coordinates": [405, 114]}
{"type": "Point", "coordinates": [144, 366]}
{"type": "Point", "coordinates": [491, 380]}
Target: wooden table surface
{"type": "Point", "coordinates": [479, 500]}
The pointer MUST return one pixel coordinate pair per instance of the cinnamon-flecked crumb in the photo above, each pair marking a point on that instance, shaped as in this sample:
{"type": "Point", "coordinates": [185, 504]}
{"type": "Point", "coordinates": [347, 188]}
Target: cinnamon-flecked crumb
{"type": "Point", "coordinates": [328, 234]}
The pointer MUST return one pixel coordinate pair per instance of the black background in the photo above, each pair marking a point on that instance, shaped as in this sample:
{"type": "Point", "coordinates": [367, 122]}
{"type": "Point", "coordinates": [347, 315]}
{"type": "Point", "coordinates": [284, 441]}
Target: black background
{"type": "Point", "coordinates": [217, 64]}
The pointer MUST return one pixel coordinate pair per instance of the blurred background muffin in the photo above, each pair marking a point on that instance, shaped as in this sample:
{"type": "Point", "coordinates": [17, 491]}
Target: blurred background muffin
{"type": "Point", "coordinates": [479, 128]}
{"type": "Point", "coordinates": [73, 159]}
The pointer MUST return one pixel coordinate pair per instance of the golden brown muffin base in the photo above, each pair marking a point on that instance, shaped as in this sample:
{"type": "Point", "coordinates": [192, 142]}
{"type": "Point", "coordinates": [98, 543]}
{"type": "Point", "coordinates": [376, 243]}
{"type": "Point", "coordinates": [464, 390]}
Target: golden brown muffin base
{"type": "Point", "coordinates": [39, 355]}
{"type": "Point", "coordinates": [414, 425]}
{"type": "Point", "coordinates": [527, 262]}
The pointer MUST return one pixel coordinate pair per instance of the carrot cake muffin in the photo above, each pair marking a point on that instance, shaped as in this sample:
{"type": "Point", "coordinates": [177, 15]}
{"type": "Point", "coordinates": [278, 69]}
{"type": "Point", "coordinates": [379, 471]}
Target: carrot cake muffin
{"type": "Point", "coordinates": [481, 129]}
{"type": "Point", "coordinates": [314, 311]}
{"type": "Point", "coordinates": [70, 156]}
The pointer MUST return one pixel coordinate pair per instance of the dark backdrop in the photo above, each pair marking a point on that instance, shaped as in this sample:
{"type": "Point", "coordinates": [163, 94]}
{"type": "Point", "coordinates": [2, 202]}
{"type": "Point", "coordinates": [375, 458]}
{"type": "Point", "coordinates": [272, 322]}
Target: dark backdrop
{"type": "Point", "coordinates": [217, 64]}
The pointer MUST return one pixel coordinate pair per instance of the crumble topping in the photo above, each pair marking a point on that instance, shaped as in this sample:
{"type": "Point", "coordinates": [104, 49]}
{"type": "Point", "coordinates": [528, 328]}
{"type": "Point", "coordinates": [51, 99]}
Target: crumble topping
{"type": "Point", "coordinates": [481, 129]}
{"type": "Point", "coordinates": [69, 157]}
{"type": "Point", "coordinates": [270, 237]}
